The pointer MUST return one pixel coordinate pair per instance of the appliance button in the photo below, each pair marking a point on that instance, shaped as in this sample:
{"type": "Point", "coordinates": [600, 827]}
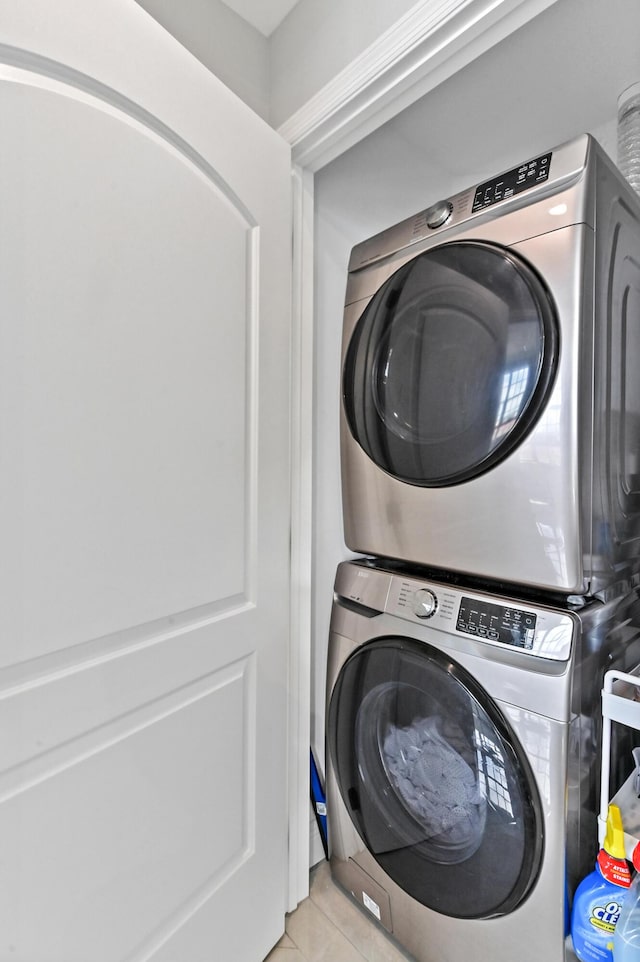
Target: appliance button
{"type": "Point", "coordinates": [424, 603]}
{"type": "Point", "coordinates": [439, 214]}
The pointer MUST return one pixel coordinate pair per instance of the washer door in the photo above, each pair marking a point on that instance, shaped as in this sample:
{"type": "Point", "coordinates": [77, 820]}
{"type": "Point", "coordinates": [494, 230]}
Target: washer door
{"type": "Point", "coordinates": [450, 364]}
{"type": "Point", "coordinates": [434, 780]}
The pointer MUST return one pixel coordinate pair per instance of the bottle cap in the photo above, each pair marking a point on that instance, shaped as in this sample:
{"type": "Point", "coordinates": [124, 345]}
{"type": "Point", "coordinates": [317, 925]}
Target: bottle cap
{"type": "Point", "coordinates": [614, 839]}
{"type": "Point", "coordinates": [636, 857]}
{"type": "Point", "coordinates": [611, 857]}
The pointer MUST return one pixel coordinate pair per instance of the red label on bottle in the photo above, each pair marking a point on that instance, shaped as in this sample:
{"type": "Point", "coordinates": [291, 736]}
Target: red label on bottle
{"type": "Point", "coordinates": [615, 870]}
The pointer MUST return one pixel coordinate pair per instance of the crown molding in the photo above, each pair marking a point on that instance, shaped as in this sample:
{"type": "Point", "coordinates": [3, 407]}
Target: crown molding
{"type": "Point", "coordinates": [425, 47]}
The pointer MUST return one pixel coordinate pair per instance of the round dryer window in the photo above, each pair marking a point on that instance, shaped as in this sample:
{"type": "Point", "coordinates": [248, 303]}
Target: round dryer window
{"type": "Point", "coordinates": [434, 780]}
{"type": "Point", "coordinates": [450, 364]}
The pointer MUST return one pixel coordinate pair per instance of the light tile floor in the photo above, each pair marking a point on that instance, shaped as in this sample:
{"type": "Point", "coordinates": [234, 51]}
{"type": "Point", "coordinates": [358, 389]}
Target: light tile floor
{"type": "Point", "coordinates": [330, 927]}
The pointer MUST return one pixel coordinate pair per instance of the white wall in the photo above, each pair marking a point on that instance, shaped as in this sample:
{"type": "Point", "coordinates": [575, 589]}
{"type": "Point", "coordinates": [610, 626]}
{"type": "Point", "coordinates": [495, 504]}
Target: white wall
{"type": "Point", "coordinates": [317, 40]}
{"type": "Point", "coordinates": [276, 77]}
{"type": "Point", "coordinates": [231, 48]}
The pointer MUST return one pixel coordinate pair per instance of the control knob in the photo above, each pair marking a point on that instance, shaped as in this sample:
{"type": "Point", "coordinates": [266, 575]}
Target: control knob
{"type": "Point", "coordinates": [439, 214]}
{"type": "Point", "coordinates": [424, 603]}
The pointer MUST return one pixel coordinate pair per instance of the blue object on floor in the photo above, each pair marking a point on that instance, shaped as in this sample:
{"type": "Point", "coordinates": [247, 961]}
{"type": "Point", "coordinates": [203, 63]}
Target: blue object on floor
{"type": "Point", "coordinates": [319, 802]}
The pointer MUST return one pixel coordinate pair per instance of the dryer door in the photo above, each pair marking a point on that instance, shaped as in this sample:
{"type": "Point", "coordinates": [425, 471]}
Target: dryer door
{"type": "Point", "coordinates": [450, 364]}
{"type": "Point", "coordinates": [435, 780]}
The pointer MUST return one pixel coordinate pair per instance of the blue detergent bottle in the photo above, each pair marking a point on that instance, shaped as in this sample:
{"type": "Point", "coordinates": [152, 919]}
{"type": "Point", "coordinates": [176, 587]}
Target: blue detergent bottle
{"type": "Point", "coordinates": [626, 938]}
{"type": "Point", "coordinates": [600, 896]}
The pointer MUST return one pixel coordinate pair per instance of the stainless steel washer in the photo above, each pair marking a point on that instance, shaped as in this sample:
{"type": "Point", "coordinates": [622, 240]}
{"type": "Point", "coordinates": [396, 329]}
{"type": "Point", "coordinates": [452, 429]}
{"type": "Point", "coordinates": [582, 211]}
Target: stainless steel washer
{"type": "Point", "coordinates": [491, 398]}
{"type": "Point", "coordinates": [463, 731]}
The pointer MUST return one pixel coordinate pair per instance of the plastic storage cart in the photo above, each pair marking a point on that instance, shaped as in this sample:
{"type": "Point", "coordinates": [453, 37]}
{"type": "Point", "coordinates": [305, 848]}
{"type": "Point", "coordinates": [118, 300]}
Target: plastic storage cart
{"type": "Point", "coordinates": [620, 703]}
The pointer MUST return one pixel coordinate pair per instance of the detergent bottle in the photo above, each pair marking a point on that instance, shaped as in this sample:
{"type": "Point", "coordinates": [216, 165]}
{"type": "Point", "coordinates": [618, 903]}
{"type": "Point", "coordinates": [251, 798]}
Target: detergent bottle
{"type": "Point", "coordinates": [626, 938]}
{"type": "Point", "coordinates": [600, 896]}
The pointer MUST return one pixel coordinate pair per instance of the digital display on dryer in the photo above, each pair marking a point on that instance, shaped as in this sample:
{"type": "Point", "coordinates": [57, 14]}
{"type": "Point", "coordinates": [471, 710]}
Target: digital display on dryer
{"type": "Point", "coordinates": [513, 182]}
{"type": "Point", "coordinates": [491, 622]}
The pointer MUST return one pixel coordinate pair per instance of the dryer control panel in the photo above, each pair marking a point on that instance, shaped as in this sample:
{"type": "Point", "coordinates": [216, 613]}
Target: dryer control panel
{"type": "Point", "coordinates": [534, 179]}
{"type": "Point", "coordinates": [512, 182]}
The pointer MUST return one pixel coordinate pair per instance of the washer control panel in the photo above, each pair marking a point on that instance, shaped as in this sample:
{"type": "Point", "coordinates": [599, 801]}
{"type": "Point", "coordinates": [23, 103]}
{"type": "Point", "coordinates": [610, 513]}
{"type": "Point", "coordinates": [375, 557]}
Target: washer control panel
{"type": "Point", "coordinates": [509, 625]}
{"type": "Point", "coordinates": [544, 632]}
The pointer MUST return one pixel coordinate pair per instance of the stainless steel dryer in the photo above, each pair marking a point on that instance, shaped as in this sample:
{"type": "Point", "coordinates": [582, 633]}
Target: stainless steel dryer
{"type": "Point", "coordinates": [462, 733]}
{"type": "Point", "coordinates": [491, 385]}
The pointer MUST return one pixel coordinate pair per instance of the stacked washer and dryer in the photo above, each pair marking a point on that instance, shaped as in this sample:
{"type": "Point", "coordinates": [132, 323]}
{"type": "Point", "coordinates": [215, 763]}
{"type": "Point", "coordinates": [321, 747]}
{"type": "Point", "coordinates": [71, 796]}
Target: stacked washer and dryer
{"type": "Point", "coordinates": [490, 446]}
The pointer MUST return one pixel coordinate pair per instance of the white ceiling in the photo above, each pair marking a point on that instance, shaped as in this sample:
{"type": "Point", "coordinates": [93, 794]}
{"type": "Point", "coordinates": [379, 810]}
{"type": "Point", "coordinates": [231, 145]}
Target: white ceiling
{"type": "Point", "coordinates": [264, 15]}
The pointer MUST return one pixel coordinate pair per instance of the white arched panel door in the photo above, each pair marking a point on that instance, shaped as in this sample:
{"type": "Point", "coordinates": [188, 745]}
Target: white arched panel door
{"type": "Point", "coordinates": [144, 477]}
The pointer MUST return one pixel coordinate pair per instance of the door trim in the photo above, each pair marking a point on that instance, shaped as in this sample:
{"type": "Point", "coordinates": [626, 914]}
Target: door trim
{"type": "Point", "coordinates": [302, 379]}
{"type": "Point", "coordinates": [430, 43]}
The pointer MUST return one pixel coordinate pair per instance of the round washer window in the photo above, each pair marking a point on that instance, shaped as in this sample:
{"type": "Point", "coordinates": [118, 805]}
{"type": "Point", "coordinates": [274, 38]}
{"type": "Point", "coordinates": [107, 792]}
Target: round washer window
{"type": "Point", "coordinates": [435, 781]}
{"type": "Point", "coordinates": [450, 364]}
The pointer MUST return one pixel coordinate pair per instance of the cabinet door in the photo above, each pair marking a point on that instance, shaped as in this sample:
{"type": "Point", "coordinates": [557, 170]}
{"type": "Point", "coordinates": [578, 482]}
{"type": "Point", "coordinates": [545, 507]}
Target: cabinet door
{"type": "Point", "coordinates": [144, 476]}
